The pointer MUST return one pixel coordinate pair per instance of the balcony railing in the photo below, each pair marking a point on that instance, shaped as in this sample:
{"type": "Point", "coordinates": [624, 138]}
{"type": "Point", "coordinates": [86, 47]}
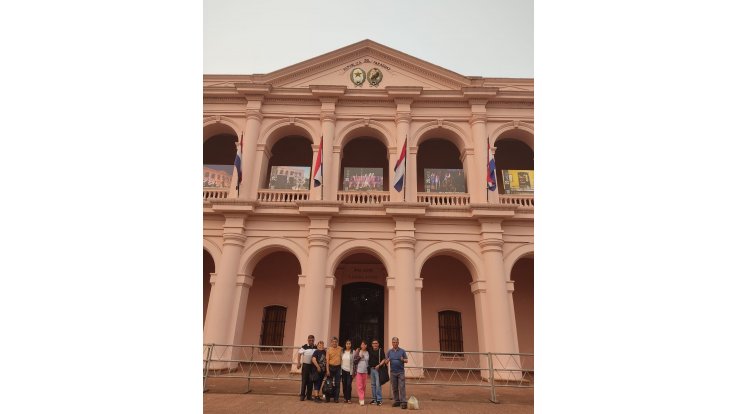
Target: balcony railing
{"type": "Point", "coordinates": [519, 200]}
{"type": "Point", "coordinates": [363, 197]}
{"type": "Point", "coordinates": [282, 196]}
{"type": "Point", "coordinates": [444, 199]}
{"type": "Point", "coordinates": [209, 193]}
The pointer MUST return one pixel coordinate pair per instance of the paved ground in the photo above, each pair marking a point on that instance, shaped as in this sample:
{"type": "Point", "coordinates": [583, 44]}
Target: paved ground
{"type": "Point", "coordinates": [226, 395]}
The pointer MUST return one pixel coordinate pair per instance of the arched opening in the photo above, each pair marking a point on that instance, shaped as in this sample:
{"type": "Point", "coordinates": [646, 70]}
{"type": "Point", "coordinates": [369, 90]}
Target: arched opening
{"type": "Point", "coordinates": [359, 299]}
{"type": "Point", "coordinates": [522, 273]}
{"type": "Point", "coordinates": [448, 307]}
{"type": "Point", "coordinates": [219, 160]}
{"type": "Point", "coordinates": [275, 286]}
{"type": "Point", "coordinates": [209, 267]}
{"type": "Point", "coordinates": [439, 168]}
{"type": "Point", "coordinates": [364, 165]}
{"type": "Point", "coordinates": [514, 163]}
{"type": "Point", "coordinates": [289, 165]}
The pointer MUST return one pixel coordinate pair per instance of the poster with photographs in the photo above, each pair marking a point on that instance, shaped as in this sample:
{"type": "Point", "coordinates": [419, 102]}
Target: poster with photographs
{"type": "Point", "coordinates": [518, 181]}
{"type": "Point", "coordinates": [442, 180]}
{"type": "Point", "coordinates": [289, 178]}
{"type": "Point", "coordinates": [362, 179]}
{"type": "Point", "coordinates": [217, 176]}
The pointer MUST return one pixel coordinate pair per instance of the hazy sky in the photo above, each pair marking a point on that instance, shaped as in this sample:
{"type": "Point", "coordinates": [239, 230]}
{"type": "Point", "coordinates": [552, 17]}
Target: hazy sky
{"type": "Point", "coordinates": [491, 38]}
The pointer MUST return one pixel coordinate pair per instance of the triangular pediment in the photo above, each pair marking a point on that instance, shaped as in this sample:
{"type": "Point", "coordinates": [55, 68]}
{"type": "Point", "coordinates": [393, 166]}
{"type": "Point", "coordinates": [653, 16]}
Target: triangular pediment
{"type": "Point", "coordinates": [366, 65]}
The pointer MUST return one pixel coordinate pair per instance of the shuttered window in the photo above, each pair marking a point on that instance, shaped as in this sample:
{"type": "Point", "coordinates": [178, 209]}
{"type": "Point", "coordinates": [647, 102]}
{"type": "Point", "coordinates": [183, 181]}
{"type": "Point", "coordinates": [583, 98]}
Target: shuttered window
{"type": "Point", "coordinates": [451, 333]}
{"type": "Point", "coordinates": [272, 329]}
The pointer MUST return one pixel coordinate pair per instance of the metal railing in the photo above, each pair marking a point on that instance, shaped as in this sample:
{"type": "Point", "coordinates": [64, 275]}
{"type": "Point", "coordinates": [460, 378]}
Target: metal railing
{"type": "Point", "coordinates": [459, 369]}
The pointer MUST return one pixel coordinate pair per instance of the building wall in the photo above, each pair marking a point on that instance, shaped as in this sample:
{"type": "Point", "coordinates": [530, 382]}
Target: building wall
{"type": "Point", "coordinates": [446, 286]}
{"type": "Point", "coordinates": [272, 242]}
{"type": "Point", "coordinates": [274, 283]}
{"type": "Point", "coordinates": [523, 276]}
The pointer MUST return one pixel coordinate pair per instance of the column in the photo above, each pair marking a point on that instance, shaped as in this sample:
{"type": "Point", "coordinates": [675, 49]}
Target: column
{"type": "Point", "coordinates": [403, 121]}
{"type": "Point", "coordinates": [220, 326]}
{"type": "Point", "coordinates": [411, 174]}
{"type": "Point", "coordinates": [251, 173]}
{"type": "Point", "coordinates": [482, 321]}
{"type": "Point", "coordinates": [500, 319]}
{"type": "Point", "coordinates": [404, 313]}
{"type": "Point", "coordinates": [327, 320]}
{"type": "Point", "coordinates": [260, 168]}
{"type": "Point", "coordinates": [331, 171]}
{"type": "Point", "coordinates": [476, 179]}
{"type": "Point", "coordinates": [313, 297]}
{"type": "Point", "coordinates": [243, 284]}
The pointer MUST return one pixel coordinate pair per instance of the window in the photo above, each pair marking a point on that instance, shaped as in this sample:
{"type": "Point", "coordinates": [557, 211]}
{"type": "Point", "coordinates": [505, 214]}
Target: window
{"type": "Point", "coordinates": [451, 333]}
{"type": "Point", "coordinates": [272, 330]}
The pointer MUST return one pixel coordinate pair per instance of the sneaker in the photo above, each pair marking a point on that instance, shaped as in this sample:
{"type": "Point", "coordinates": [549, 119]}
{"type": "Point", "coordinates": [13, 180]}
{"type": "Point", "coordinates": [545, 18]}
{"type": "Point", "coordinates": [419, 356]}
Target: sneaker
{"type": "Point", "coordinates": [362, 402]}
{"type": "Point", "coordinates": [379, 403]}
{"type": "Point", "coordinates": [403, 406]}
{"type": "Point", "coordinates": [301, 398]}
{"type": "Point", "coordinates": [396, 404]}
{"type": "Point", "coordinates": [373, 402]}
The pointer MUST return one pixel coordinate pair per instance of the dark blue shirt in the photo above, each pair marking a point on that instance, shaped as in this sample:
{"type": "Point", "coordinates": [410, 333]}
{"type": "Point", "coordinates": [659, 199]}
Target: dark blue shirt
{"type": "Point", "coordinates": [395, 358]}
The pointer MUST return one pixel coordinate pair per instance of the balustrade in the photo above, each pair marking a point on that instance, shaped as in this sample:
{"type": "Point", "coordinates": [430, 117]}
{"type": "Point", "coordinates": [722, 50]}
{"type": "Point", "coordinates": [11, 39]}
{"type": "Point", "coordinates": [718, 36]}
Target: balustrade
{"type": "Point", "coordinates": [444, 199]}
{"type": "Point", "coordinates": [363, 197]}
{"type": "Point", "coordinates": [282, 196]}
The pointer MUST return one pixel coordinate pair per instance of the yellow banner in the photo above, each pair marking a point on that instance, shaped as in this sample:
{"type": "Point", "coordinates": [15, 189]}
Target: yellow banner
{"type": "Point", "coordinates": [518, 181]}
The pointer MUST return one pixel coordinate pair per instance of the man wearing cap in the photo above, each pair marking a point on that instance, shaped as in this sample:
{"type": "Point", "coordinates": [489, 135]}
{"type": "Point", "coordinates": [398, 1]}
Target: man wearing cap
{"type": "Point", "coordinates": [305, 363]}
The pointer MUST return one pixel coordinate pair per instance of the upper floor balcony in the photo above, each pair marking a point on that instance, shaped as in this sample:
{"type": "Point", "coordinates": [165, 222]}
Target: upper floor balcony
{"type": "Point", "coordinates": [360, 168]}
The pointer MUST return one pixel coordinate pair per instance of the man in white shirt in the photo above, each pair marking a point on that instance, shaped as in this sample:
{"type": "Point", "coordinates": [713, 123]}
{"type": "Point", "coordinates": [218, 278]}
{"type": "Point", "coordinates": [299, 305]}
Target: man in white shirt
{"type": "Point", "coordinates": [305, 363]}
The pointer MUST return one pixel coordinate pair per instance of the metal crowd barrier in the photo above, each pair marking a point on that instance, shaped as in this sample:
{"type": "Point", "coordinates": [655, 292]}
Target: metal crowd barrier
{"type": "Point", "coordinates": [459, 369]}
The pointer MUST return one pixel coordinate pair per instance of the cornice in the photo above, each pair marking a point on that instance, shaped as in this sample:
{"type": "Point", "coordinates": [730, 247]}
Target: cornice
{"type": "Point", "coordinates": [225, 100]}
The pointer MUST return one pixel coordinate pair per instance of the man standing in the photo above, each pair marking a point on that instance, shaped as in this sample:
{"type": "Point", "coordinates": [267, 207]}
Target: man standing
{"type": "Point", "coordinates": [397, 357]}
{"type": "Point", "coordinates": [305, 363]}
{"type": "Point", "coordinates": [334, 360]}
{"type": "Point", "coordinates": [376, 358]}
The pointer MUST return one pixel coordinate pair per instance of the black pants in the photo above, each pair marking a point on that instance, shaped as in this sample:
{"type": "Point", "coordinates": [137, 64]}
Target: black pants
{"type": "Point", "coordinates": [307, 384]}
{"type": "Point", "coordinates": [347, 385]}
{"type": "Point", "coordinates": [335, 375]}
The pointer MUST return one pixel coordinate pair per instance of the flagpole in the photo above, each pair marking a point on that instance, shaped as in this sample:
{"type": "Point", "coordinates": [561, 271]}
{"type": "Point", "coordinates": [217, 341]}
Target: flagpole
{"type": "Point", "coordinates": [240, 145]}
{"type": "Point", "coordinates": [322, 167]}
{"type": "Point", "coordinates": [406, 160]}
{"type": "Point", "coordinates": [488, 164]}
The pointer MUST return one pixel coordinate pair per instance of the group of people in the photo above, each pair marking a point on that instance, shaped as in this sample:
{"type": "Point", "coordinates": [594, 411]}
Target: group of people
{"type": "Point", "coordinates": [343, 365]}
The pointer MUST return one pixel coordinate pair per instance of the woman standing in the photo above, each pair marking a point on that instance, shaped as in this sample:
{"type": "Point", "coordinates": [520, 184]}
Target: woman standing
{"type": "Point", "coordinates": [360, 363]}
{"type": "Point", "coordinates": [319, 360]}
{"type": "Point", "coordinates": [347, 371]}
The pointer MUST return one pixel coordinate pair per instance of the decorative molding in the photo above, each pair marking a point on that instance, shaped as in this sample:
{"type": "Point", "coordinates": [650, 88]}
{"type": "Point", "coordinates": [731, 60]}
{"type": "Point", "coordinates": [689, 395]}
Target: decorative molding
{"type": "Point", "coordinates": [253, 114]}
{"type": "Point", "coordinates": [211, 100]}
{"type": "Point", "coordinates": [291, 101]}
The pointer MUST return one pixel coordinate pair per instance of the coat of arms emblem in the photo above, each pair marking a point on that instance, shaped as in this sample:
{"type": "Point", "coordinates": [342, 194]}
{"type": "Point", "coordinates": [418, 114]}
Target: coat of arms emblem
{"type": "Point", "coordinates": [357, 75]}
{"type": "Point", "coordinates": [375, 76]}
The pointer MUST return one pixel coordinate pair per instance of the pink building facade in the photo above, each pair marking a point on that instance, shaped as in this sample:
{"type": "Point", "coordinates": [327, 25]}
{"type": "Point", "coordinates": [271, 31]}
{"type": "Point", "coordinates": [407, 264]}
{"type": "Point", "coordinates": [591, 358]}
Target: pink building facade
{"type": "Point", "coordinates": [444, 265]}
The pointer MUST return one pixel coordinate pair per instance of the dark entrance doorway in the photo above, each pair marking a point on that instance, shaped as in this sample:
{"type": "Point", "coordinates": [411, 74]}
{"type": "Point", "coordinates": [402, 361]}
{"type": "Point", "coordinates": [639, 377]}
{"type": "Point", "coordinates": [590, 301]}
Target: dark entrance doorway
{"type": "Point", "coordinates": [361, 313]}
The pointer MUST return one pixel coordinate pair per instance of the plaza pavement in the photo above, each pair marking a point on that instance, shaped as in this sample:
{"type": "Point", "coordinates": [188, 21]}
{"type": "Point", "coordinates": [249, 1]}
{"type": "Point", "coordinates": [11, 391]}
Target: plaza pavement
{"type": "Point", "coordinates": [227, 395]}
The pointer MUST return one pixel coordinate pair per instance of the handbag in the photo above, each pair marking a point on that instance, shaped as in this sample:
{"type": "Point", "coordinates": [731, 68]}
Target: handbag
{"type": "Point", "coordinates": [382, 372]}
{"type": "Point", "coordinates": [327, 388]}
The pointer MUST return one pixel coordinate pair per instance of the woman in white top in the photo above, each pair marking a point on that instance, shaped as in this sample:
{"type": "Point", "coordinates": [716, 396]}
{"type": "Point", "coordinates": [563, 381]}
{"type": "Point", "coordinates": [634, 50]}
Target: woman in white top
{"type": "Point", "coordinates": [346, 365]}
{"type": "Point", "coordinates": [360, 363]}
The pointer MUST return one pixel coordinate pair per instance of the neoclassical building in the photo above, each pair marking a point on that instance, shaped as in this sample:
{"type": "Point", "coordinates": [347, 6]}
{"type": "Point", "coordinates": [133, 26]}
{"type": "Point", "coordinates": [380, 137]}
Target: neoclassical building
{"type": "Point", "coordinates": [444, 264]}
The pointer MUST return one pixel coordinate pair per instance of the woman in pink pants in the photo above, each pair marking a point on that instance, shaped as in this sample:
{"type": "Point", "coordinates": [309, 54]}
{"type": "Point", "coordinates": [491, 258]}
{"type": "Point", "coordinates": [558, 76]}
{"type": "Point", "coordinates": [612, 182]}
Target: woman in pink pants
{"type": "Point", "coordinates": [361, 370]}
